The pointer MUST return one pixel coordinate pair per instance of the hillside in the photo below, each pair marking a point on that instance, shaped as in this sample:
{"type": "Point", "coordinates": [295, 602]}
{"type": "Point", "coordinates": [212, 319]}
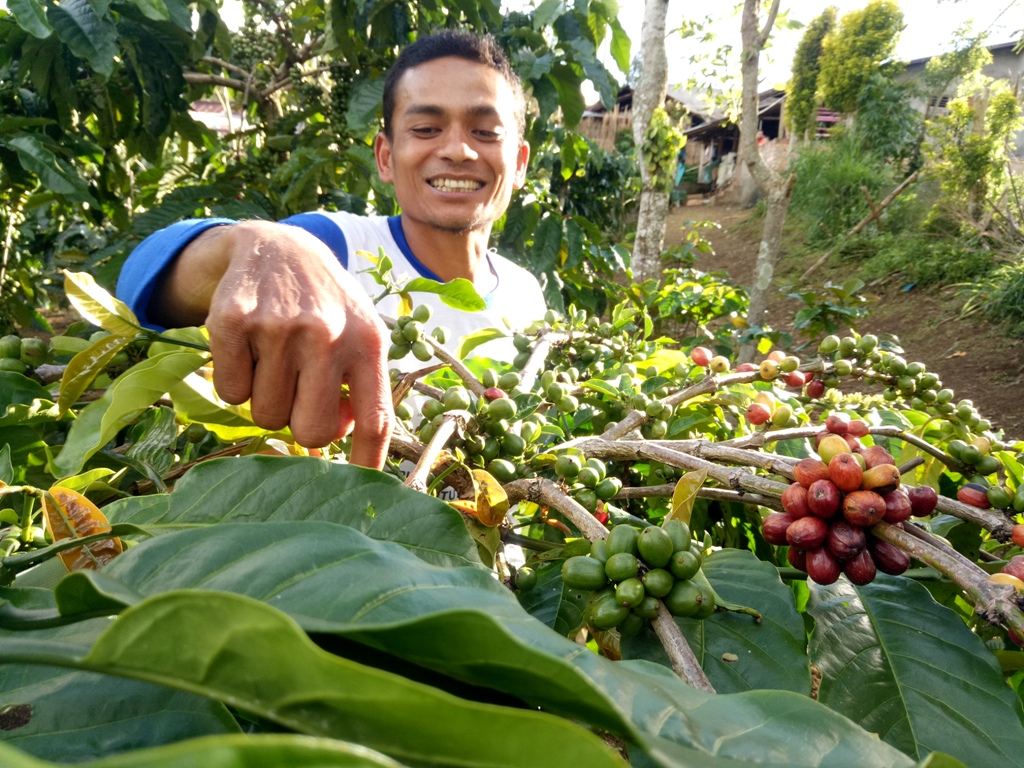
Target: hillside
{"type": "Point", "coordinates": [969, 355]}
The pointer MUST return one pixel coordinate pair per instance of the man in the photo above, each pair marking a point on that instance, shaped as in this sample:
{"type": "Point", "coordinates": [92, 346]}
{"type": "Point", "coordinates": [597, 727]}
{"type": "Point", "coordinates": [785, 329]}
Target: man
{"type": "Point", "coordinates": [286, 307]}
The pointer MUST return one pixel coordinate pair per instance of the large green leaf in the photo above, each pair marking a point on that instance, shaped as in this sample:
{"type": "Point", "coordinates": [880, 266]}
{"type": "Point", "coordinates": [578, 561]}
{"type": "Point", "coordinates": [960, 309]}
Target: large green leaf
{"type": "Point", "coordinates": [54, 175]}
{"type": "Point", "coordinates": [196, 400]}
{"type": "Point", "coordinates": [134, 390]}
{"type": "Point", "coordinates": [236, 649]}
{"type": "Point", "coordinates": [554, 603]}
{"type": "Point", "coordinates": [18, 389]}
{"type": "Point", "coordinates": [85, 33]}
{"type": "Point", "coordinates": [736, 653]}
{"type": "Point", "coordinates": [907, 668]}
{"type": "Point", "coordinates": [264, 488]}
{"type": "Point", "coordinates": [235, 751]}
{"type": "Point", "coordinates": [462, 623]}
{"type": "Point", "coordinates": [77, 716]}
{"type": "Point", "coordinates": [31, 17]}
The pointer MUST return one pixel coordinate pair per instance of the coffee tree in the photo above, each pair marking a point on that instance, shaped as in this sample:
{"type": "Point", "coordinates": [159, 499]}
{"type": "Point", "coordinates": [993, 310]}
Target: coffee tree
{"type": "Point", "coordinates": [644, 554]}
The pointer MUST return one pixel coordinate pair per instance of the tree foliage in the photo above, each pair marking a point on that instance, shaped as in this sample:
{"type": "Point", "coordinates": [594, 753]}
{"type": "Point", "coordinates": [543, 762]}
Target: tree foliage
{"type": "Point", "coordinates": [99, 148]}
{"type": "Point", "coordinates": [802, 90]}
{"type": "Point", "coordinates": [859, 47]}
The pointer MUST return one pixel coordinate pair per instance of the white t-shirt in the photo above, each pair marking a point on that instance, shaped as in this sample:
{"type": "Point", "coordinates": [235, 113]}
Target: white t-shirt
{"type": "Point", "coordinates": [513, 295]}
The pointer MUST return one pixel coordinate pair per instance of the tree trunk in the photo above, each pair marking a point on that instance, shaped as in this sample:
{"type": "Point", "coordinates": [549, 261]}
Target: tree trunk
{"type": "Point", "coordinates": [776, 189]}
{"type": "Point", "coordinates": [649, 95]}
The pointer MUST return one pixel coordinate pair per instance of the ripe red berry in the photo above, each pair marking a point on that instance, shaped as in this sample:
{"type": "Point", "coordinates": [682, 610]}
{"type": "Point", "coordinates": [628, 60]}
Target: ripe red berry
{"type": "Point", "coordinates": [701, 356]}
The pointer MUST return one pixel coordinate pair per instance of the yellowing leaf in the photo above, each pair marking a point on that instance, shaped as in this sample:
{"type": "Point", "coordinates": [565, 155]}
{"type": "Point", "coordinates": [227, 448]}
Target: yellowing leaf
{"type": "Point", "coordinates": [70, 515]}
{"type": "Point", "coordinates": [491, 503]}
{"type": "Point", "coordinates": [404, 304]}
{"type": "Point", "coordinates": [99, 307]}
{"type": "Point", "coordinates": [368, 256]}
{"type": "Point", "coordinates": [685, 494]}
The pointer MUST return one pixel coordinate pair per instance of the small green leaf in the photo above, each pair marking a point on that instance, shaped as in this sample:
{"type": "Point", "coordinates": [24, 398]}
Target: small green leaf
{"type": "Point", "coordinates": [85, 366]}
{"type": "Point", "coordinates": [471, 341]}
{"type": "Point", "coordinates": [457, 294]}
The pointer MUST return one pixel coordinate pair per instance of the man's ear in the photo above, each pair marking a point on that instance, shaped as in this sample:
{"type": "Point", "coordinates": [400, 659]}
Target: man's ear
{"type": "Point", "coordinates": [522, 161]}
{"type": "Point", "coordinates": [382, 152]}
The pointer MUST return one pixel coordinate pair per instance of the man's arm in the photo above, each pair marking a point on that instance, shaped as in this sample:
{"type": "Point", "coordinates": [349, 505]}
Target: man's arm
{"type": "Point", "coordinates": [288, 326]}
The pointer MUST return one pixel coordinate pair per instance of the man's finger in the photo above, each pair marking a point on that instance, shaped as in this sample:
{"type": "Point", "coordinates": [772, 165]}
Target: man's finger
{"type": "Point", "coordinates": [232, 368]}
{"type": "Point", "coordinates": [314, 416]}
{"type": "Point", "coordinates": [370, 401]}
{"type": "Point", "coordinates": [273, 392]}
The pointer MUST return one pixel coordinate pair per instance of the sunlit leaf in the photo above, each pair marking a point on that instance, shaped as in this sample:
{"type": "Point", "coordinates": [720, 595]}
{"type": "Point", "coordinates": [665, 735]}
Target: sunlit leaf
{"type": "Point", "coordinates": [84, 367]}
{"type": "Point", "coordinates": [685, 494]}
{"type": "Point", "coordinates": [457, 294]}
{"type": "Point", "coordinates": [97, 306]}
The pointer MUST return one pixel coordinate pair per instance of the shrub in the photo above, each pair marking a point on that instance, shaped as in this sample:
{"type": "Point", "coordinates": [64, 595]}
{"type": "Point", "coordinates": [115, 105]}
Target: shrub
{"type": "Point", "coordinates": [924, 260]}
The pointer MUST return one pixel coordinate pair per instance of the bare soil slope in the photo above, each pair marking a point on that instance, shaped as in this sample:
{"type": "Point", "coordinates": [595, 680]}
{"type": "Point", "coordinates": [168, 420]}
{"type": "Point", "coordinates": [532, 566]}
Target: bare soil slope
{"type": "Point", "coordinates": [969, 355]}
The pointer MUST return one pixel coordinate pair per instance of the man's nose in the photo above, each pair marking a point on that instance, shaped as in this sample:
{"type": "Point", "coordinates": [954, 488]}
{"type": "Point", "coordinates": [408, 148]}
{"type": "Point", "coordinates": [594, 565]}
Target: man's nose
{"type": "Point", "coordinates": [458, 145]}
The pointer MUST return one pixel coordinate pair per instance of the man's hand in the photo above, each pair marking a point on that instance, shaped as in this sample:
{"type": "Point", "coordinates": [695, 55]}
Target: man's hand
{"type": "Point", "coordinates": [288, 326]}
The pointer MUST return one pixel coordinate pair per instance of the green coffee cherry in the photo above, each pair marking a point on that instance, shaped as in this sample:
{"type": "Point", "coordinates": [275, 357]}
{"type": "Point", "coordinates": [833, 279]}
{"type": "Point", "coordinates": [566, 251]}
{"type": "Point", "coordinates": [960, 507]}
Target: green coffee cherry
{"type": "Point", "coordinates": [658, 582]}
{"type": "Point", "coordinates": [684, 599]}
{"type": "Point", "coordinates": [621, 566]}
{"type": "Point", "coordinates": [655, 546]}
{"type": "Point", "coordinates": [584, 573]}
{"type": "Point", "coordinates": [630, 592]}
{"type": "Point", "coordinates": [622, 538]}
{"type": "Point", "coordinates": [684, 564]}
{"type": "Point", "coordinates": [421, 313]}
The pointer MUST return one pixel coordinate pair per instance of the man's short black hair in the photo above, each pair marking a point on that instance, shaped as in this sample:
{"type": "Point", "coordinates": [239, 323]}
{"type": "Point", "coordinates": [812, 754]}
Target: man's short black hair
{"type": "Point", "coordinates": [483, 49]}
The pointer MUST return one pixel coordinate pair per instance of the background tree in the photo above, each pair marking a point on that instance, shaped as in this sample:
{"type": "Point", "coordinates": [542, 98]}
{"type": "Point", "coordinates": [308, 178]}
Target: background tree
{"type": "Point", "coordinates": [775, 187]}
{"type": "Point", "coordinates": [863, 42]}
{"type": "Point", "coordinates": [649, 96]}
{"type": "Point", "coordinates": [802, 90]}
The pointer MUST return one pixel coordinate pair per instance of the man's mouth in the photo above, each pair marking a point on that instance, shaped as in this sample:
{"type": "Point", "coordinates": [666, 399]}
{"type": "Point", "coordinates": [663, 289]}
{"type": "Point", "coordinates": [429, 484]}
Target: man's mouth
{"type": "Point", "coordinates": [455, 185]}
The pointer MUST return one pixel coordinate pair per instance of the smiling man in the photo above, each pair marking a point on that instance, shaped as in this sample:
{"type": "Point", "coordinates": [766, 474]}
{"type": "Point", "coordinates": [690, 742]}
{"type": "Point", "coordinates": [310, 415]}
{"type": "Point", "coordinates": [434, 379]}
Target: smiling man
{"type": "Point", "coordinates": [287, 304]}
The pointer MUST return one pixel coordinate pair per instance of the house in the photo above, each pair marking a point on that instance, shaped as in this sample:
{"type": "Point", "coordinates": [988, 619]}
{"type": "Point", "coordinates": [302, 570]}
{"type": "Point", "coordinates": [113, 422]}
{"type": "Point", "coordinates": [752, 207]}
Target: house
{"type": "Point", "coordinates": [1007, 64]}
{"type": "Point", "coordinates": [712, 139]}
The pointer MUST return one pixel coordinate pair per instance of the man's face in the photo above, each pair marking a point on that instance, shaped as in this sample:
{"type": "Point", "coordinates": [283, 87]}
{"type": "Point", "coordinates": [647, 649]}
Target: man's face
{"type": "Point", "coordinates": [455, 154]}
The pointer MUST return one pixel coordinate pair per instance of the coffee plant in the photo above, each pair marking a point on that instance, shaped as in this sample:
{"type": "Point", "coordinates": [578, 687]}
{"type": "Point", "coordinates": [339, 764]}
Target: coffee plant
{"type": "Point", "coordinates": [603, 547]}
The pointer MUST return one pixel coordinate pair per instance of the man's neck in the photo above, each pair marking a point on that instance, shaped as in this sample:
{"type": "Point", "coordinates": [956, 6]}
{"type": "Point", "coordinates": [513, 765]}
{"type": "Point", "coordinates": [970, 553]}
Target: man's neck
{"type": "Point", "coordinates": [449, 254]}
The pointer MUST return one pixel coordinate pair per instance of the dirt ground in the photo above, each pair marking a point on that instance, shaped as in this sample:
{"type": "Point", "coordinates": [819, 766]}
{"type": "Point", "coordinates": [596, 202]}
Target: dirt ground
{"type": "Point", "coordinates": [969, 355]}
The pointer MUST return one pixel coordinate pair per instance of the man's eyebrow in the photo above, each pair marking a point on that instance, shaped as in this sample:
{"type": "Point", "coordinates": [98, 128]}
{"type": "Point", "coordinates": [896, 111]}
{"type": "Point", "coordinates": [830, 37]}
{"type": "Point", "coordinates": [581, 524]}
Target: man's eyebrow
{"type": "Point", "coordinates": [435, 110]}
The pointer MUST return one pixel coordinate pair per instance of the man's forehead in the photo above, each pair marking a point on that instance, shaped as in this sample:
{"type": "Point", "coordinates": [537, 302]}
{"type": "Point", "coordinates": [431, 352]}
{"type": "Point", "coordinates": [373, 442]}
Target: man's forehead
{"type": "Point", "coordinates": [446, 85]}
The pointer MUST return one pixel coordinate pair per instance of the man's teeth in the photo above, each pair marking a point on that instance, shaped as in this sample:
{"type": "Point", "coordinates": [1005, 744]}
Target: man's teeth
{"type": "Point", "coordinates": [455, 185]}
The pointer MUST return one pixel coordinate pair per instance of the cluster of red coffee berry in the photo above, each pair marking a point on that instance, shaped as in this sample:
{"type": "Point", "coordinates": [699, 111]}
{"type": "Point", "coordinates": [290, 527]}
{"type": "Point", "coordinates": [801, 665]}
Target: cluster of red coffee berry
{"type": "Point", "coordinates": [833, 502]}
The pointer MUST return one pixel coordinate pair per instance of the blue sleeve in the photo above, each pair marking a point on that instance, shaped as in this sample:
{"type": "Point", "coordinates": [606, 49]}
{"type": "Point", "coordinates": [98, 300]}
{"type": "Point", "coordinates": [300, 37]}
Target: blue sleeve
{"type": "Point", "coordinates": [144, 267]}
{"type": "Point", "coordinates": [147, 263]}
{"type": "Point", "coordinates": [326, 230]}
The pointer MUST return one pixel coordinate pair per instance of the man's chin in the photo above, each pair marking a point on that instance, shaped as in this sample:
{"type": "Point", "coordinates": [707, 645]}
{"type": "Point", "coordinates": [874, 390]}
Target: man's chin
{"type": "Point", "coordinates": [458, 226]}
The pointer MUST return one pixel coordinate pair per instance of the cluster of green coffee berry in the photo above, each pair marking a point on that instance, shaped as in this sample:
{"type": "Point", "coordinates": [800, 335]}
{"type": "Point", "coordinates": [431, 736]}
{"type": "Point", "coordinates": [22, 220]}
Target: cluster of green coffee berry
{"type": "Point", "coordinates": [630, 571]}
{"type": "Point", "coordinates": [409, 332]}
{"type": "Point", "coordinates": [18, 355]}
{"type": "Point", "coordinates": [587, 480]}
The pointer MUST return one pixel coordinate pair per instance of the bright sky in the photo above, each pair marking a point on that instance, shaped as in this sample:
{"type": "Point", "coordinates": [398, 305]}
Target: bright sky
{"type": "Point", "coordinates": [930, 25]}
